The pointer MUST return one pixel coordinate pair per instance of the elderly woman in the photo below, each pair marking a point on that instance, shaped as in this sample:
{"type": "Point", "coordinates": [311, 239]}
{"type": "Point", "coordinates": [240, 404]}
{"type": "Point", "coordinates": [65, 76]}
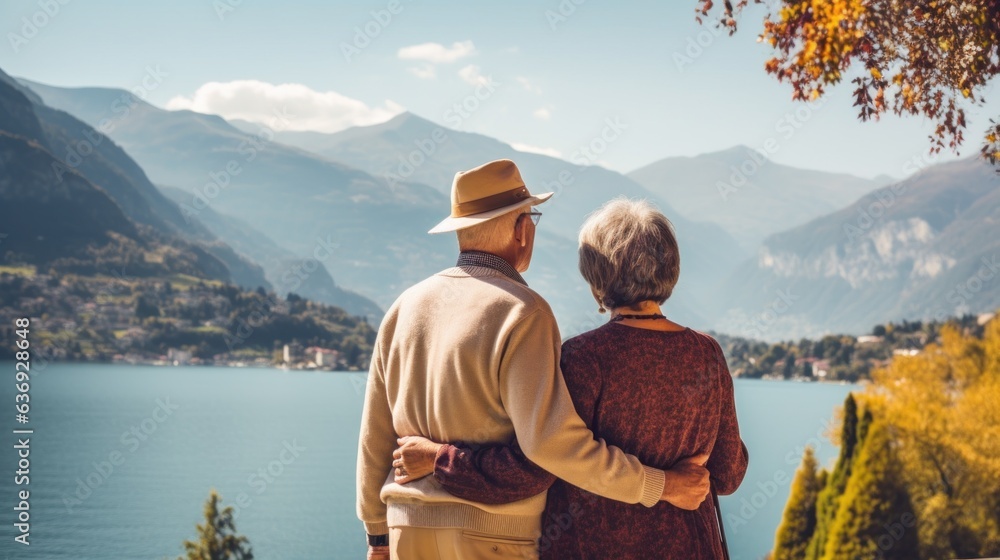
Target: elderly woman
{"type": "Point", "coordinates": [642, 382]}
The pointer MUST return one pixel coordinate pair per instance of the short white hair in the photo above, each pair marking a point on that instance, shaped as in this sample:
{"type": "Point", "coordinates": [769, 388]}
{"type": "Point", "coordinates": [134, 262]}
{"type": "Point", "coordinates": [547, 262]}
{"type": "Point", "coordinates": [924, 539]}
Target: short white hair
{"type": "Point", "coordinates": [491, 236]}
{"type": "Point", "coordinates": [629, 254]}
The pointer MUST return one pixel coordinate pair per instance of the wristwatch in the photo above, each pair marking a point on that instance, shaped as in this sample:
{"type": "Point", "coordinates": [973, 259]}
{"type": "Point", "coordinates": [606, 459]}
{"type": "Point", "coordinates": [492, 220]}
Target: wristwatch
{"type": "Point", "coordinates": [378, 540]}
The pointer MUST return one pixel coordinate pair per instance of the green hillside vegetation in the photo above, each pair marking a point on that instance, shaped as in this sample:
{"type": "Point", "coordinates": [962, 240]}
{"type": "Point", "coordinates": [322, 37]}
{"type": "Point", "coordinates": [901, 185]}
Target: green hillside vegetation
{"type": "Point", "coordinates": [107, 318]}
{"type": "Point", "coordinates": [84, 212]}
{"type": "Point", "coordinates": [844, 357]}
{"type": "Point", "coordinates": [279, 264]}
{"type": "Point", "coordinates": [918, 476]}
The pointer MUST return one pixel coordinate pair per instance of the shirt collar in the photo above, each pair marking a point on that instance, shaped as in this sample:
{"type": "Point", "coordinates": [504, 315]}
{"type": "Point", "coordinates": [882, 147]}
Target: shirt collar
{"type": "Point", "coordinates": [488, 260]}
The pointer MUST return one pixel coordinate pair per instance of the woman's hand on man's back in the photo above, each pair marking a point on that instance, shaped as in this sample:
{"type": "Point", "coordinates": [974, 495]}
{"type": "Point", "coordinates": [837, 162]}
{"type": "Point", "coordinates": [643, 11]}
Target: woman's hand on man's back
{"type": "Point", "coordinates": [686, 484]}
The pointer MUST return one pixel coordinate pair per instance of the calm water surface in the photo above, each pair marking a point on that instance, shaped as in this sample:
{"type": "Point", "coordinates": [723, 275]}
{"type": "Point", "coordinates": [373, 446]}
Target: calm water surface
{"type": "Point", "coordinates": [123, 458]}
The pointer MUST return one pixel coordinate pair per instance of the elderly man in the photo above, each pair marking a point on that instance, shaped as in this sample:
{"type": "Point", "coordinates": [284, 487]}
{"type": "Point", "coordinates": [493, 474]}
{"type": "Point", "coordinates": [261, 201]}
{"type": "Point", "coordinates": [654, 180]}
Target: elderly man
{"type": "Point", "coordinates": [472, 354]}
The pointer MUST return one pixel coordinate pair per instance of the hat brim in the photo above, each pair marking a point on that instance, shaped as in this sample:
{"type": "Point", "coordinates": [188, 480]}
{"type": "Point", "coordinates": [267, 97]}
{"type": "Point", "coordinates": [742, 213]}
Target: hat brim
{"type": "Point", "coordinates": [455, 224]}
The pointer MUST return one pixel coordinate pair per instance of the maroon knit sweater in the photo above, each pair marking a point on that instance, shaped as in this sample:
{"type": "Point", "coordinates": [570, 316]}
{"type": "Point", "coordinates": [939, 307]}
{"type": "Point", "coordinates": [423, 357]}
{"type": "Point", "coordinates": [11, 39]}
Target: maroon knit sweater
{"type": "Point", "coordinates": [661, 396]}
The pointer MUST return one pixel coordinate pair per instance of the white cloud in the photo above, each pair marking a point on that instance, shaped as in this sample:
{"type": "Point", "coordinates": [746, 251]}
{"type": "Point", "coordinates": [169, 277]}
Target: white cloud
{"type": "Point", "coordinates": [551, 152]}
{"type": "Point", "coordinates": [473, 75]}
{"type": "Point", "coordinates": [542, 114]}
{"type": "Point", "coordinates": [527, 85]}
{"type": "Point", "coordinates": [303, 108]}
{"type": "Point", "coordinates": [424, 72]}
{"type": "Point", "coordinates": [436, 53]}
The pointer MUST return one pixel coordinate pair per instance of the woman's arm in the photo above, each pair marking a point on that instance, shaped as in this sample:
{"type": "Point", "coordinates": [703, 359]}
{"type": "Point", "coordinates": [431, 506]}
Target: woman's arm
{"type": "Point", "coordinates": [492, 474]}
{"type": "Point", "coordinates": [729, 460]}
{"type": "Point", "coordinates": [500, 474]}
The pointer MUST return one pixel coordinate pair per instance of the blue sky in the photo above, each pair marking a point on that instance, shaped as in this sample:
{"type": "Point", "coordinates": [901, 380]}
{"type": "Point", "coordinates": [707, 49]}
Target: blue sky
{"type": "Point", "coordinates": [553, 81]}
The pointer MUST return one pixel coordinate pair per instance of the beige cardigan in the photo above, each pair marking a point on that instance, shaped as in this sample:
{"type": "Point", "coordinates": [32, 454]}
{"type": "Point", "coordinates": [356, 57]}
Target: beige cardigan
{"type": "Point", "coordinates": [471, 355]}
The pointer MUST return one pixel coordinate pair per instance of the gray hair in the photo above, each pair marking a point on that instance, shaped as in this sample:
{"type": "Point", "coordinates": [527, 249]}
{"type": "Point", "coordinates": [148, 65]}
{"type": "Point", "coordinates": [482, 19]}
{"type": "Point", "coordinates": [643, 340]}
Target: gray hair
{"type": "Point", "coordinates": [629, 254]}
{"type": "Point", "coordinates": [490, 236]}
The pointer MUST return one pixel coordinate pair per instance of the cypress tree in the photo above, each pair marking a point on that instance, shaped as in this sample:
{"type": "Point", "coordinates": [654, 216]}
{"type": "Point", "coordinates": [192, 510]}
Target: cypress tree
{"type": "Point", "coordinates": [826, 502]}
{"type": "Point", "coordinates": [217, 538]}
{"type": "Point", "coordinates": [876, 518]}
{"type": "Point", "coordinates": [799, 520]}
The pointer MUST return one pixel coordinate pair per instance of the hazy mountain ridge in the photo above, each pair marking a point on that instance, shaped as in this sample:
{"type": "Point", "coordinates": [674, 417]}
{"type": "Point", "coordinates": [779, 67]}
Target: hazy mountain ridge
{"type": "Point", "coordinates": [749, 195]}
{"type": "Point", "coordinates": [374, 206]}
{"type": "Point", "coordinates": [68, 224]}
{"type": "Point", "coordinates": [371, 234]}
{"type": "Point", "coordinates": [193, 151]}
{"type": "Point", "coordinates": [409, 147]}
{"type": "Point", "coordinates": [282, 268]}
{"type": "Point", "coordinates": [917, 249]}
{"type": "Point", "coordinates": [55, 216]}
{"type": "Point", "coordinates": [79, 149]}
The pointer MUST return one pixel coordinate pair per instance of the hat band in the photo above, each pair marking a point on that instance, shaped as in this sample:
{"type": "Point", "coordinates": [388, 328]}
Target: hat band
{"type": "Point", "coordinates": [492, 202]}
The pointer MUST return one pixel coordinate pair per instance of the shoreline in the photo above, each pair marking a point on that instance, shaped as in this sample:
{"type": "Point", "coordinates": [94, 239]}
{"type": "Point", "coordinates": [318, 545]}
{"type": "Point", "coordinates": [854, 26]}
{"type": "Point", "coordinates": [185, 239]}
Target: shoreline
{"type": "Point", "coordinates": [301, 367]}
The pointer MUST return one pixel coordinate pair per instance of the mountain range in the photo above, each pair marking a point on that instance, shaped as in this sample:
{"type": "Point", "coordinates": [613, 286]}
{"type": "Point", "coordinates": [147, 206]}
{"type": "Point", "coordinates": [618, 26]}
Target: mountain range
{"type": "Point", "coordinates": [409, 147]}
{"type": "Point", "coordinates": [767, 250]}
{"type": "Point", "coordinates": [749, 195]}
{"type": "Point", "coordinates": [92, 208]}
{"type": "Point", "coordinates": [376, 223]}
{"type": "Point", "coordinates": [304, 276]}
{"type": "Point", "coordinates": [926, 247]}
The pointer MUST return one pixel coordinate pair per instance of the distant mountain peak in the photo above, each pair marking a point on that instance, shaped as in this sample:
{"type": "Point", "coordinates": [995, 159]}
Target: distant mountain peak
{"type": "Point", "coordinates": [737, 153]}
{"type": "Point", "coordinates": [406, 119]}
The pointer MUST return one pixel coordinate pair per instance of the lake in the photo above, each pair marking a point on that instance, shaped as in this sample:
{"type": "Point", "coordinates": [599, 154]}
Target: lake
{"type": "Point", "coordinates": [123, 458]}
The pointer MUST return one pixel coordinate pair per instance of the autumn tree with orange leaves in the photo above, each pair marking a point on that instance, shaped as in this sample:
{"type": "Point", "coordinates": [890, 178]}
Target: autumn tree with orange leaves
{"type": "Point", "coordinates": [920, 57]}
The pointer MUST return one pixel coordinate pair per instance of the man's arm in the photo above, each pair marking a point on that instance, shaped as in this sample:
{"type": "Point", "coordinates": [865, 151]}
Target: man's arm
{"type": "Point", "coordinates": [500, 474]}
{"type": "Point", "coordinates": [548, 427]}
{"type": "Point", "coordinates": [375, 445]}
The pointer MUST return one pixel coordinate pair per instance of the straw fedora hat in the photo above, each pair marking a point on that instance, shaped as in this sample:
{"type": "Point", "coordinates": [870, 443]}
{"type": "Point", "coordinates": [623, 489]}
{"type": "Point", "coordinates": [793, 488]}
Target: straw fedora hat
{"type": "Point", "coordinates": [483, 193]}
